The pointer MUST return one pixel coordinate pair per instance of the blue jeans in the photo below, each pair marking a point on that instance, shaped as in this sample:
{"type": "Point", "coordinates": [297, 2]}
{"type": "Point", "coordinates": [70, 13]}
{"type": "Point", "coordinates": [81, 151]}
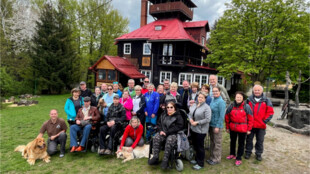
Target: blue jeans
{"type": "Point", "coordinates": [73, 133]}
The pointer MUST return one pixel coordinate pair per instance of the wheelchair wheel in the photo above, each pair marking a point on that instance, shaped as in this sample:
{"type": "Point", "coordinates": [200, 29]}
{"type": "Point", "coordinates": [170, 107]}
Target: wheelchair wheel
{"type": "Point", "coordinates": [179, 165]}
{"type": "Point", "coordinates": [189, 154]}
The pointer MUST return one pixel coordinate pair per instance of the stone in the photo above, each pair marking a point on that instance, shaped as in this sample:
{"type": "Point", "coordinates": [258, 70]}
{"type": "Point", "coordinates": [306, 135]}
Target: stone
{"type": "Point", "coordinates": [28, 95]}
{"type": "Point", "coordinates": [22, 96]}
{"type": "Point", "coordinates": [12, 99]}
{"type": "Point", "coordinates": [298, 117]}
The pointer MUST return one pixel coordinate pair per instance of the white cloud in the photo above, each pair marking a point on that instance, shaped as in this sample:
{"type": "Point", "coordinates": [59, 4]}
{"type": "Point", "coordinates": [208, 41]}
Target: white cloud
{"type": "Point", "coordinates": [206, 10]}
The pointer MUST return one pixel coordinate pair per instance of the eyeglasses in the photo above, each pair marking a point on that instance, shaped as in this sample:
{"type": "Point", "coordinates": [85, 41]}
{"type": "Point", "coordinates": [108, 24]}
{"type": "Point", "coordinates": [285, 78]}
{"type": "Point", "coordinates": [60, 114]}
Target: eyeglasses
{"type": "Point", "coordinates": [170, 107]}
{"type": "Point", "coordinates": [146, 81]}
{"type": "Point", "coordinates": [115, 83]}
{"type": "Point", "coordinates": [137, 90]}
{"type": "Point", "coordinates": [216, 91]}
{"type": "Point", "coordinates": [109, 88]}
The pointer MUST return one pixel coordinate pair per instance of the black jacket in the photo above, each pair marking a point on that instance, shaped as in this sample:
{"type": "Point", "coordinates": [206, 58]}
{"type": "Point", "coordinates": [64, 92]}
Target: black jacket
{"type": "Point", "coordinates": [86, 93]}
{"type": "Point", "coordinates": [140, 112]}
{"type": "Point", "coordinates": [94, 100]}
{"type": "Point", "coordinates": [116, 113]}
{"type": "Point", "coordinates": [170, 124]}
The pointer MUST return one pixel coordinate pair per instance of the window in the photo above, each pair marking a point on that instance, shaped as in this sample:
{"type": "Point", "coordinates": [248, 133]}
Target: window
{"type": "Point", "coordinates": [147, 48]}
{"type": "Point", "coordinates": [147, 73]}
{"type": "Point", "coordinates": [167, 52]}
{"type": "Point", "coordinates": [111, 75]}
{"type": "Point", "coordinates": [185, 76]}
{"type": "Point", "coordinates": [201, 79]}
{"type": "Point", "coordinates": [127, 48]}
{"type": "Point", "coordinates": [221, 80]}
{"type": "Point", "coordinates": [107, 75]}
{"type": "Point", "coordinates": [165, 75]}
{"type": "Point", "coordinates": [203, 41]}
{"type": "Point", "coordinates": [158, 27]}
{"type": "Point", "coordinates": [102, 74]}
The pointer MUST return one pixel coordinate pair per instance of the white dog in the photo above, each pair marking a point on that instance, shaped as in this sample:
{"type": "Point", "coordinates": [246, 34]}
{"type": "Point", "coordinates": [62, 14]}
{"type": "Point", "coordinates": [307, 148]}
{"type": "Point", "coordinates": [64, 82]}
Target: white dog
{"type": "Point", "coordinates": [138, 152]}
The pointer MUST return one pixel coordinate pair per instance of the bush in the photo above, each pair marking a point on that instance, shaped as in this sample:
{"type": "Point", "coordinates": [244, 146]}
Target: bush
{"type": "Point", "coordinates": [304, 95]}
{"type": "Point", "coordinates": [6, 82]}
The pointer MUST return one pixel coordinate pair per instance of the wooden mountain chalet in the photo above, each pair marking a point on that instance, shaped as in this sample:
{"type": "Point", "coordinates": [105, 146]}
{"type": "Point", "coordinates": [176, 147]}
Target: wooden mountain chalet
{"type": "Point", "coordinates": [171, 47]}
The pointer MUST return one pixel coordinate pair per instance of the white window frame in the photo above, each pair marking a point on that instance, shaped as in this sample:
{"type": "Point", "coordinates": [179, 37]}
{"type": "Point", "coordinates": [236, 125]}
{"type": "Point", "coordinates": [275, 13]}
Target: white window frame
{"type": "Point", "coordinates": [223, 80]}
{"type": "Point", "coordinates": [125, 44]}
{"type": "Point", "coordinates": [161, 78]}
{"type": "Point", "coordinates": [200, 79]}
{"type": "Point", "coordinates": [186, 74]}
{"type": "Point", "coordinates": [167, 52]}
{"type": "Point", "coordinates": [145, 72]}
{"type": "Point", "coordinates": [149, 45]}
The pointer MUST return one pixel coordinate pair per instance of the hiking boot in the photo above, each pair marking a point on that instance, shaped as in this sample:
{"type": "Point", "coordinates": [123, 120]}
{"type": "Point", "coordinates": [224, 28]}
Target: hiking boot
{"type": "Point", "coordinates": [107, 152]}
{"type": "Point", "coordinates": [61, 155]}
{"type": "Point", "coordinates": [247, 156]}
{"type": "Point", "coordinates": [153, 161]}
{"type": "Point", "coordinates": [259, 158]}
{"type": "Point", "coordinates": [231, 157]}
{"type": "Point", "coordinates": [164, 165]}
{"type": "Point", "coordinates": [197, 167]}
{"type": "Point", "coordinates": [73, 148]}
{"type": "Point", "coordinates": [238, 162]}
{"type": "Point", "coordinates": [212, 162]}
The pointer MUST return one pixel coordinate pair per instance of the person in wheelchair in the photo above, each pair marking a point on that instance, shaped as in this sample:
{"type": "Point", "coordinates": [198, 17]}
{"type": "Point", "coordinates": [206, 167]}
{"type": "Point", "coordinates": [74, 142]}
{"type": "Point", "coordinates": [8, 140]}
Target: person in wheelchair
{"type": "Point", "coordinates": [169, 124]}
{"type": "Point", "coordinates": [132, 136]}
{"type": "Point", "coordinates": [86, 116]}
{"type": "Point", "coordinates": [115, 117]}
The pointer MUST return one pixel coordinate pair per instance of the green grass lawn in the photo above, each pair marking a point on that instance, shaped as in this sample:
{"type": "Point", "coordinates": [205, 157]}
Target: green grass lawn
{"type": "Point", "coordinates": [21, 125]}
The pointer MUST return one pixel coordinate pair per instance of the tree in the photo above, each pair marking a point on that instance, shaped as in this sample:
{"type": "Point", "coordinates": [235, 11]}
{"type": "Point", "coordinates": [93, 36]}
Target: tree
{"type": "Point", "coordinates": [262, 38]}
{"type": "Point", "coordinates": [53, 55]}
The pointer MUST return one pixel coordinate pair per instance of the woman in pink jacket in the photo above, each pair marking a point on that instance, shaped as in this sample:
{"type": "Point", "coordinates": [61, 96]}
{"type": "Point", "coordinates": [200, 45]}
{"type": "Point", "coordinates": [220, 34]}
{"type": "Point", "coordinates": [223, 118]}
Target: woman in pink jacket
{"type": "Point", "coordinates": [126, 101]}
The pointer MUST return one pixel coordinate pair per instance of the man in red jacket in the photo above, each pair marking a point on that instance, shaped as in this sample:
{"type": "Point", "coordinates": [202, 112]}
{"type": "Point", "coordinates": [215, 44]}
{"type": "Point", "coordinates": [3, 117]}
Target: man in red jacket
{"type": "Point", "coordinates": [262, 110]}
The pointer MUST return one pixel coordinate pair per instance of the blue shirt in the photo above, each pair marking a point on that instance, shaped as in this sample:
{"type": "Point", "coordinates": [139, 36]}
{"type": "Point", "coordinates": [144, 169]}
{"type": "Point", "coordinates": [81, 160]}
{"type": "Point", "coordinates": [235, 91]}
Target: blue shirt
{"type": "Point", "coordinates": [152, 103]}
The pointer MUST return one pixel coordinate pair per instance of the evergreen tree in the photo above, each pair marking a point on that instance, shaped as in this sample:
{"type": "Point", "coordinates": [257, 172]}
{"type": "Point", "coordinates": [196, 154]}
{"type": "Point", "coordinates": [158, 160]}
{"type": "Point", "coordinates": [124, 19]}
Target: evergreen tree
{"type": "Point", "coordinates": [53, 54]}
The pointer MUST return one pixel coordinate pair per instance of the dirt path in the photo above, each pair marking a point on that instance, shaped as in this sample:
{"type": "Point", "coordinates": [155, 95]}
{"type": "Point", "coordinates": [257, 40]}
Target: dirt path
{"type": "Point", "coordinates": [285, 152]}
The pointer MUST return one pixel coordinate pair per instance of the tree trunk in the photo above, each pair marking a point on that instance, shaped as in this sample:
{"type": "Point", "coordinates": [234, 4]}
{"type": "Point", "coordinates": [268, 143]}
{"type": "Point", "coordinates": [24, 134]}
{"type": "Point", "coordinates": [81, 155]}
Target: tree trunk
{"type": "Point", "coordinates": [297, 91]}
{"type": "Point", "coordinates": [287, 77]}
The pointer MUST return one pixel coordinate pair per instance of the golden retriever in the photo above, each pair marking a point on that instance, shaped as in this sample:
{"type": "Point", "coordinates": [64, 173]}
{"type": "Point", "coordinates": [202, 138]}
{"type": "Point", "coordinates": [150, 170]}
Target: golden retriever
{"type": "Point", "coordinates": [138, 152]}
{"type": "Point", "coordinates": [34, 150]}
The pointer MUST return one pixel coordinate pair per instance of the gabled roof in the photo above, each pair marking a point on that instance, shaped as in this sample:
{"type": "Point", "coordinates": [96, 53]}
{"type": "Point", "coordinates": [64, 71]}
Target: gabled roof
{"type": "Point", "coordinates": [197, 24]}
{"type": "Point", "coordinates": [121, 64]}
{"type": "Point", "coordinates": [201, 67]}
{"type": "Point", "coordinates": [171, 29]}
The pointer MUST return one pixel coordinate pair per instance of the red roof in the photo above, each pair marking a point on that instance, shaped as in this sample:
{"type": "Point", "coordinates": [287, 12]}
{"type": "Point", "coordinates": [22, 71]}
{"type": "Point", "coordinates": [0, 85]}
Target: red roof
{"type": "Point", "coordinates": [202, 67]}
{"type": "Point", "coordinates": [196, 24]}
{"type": "Point", "coordinates": [121, 64]}
{"type": "Point", "coordinates": [171, 29]}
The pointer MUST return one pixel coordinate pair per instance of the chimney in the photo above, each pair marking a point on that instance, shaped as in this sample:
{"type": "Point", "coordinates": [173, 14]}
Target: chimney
{"type": "Point", "coordinates": [143, 20]}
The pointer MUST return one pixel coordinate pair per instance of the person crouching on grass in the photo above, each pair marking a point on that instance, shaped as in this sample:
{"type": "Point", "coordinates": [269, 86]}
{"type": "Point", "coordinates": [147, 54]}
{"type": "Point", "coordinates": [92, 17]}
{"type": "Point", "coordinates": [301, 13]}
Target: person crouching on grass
{"type": "Point", "coordinates": [239, 122]}
{"type": "Point", "coordinates": [132, 135]}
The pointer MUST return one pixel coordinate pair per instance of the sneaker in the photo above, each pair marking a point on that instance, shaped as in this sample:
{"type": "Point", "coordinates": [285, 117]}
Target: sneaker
{"type": "Point", "coordinates": [259, 158]}
{"type": "Point", "coordinates": [153, 161]}
{"type": "Point", "coordinates": [247, 156]}
{"type": "Point", "coordinates": [212, 162]}
{"type": "Point", "coordinates": [61, 155]}
{"type": "Point", "coordinates": [101, 151]}
{"type": "Point", "coordinates": [73, 148]}
{"type": "Point", "coordinates": [197, 167]}
{"type": "Point", "coordinates": [193, 162]}
{"type": "Point", "coordinates": [79, 149]}
{"type": "Point", "coordinates": [231, 157]}
{"type": "Point", "coordinates": [238, 162]}
{"type": "Point", "coordinates": [107, 152]}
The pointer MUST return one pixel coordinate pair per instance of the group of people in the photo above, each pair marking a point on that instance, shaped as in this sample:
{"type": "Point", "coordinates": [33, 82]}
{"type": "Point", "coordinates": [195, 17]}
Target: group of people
{"type": "Point", "coordinates": [155, 112]}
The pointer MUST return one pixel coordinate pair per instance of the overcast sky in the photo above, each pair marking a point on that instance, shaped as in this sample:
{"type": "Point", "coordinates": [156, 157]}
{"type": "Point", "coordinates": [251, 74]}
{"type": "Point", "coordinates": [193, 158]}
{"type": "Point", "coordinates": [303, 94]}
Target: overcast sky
{"type": "Point", "coordinates": [206, 10]}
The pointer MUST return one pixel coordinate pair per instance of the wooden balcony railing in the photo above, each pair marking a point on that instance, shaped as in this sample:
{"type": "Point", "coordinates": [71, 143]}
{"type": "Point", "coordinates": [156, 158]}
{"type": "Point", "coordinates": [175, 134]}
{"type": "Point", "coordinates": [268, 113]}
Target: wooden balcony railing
{"type": "Point", "coordinates": [171, 7]}
{"type": "Point", "coordinates": [177, 60]}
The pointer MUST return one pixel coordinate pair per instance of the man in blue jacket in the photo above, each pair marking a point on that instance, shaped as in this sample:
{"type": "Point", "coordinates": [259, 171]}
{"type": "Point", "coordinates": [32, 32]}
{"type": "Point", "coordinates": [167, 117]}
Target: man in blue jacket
{"type": "Point", "coordinates": [152, 105]}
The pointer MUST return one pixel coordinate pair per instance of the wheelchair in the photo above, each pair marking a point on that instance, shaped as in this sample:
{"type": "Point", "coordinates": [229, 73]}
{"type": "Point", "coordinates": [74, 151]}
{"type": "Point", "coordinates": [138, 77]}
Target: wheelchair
{"type": "Point", "coordinates": [92, 139]}
{"type": "Point", "coordinates": [175, 159]}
